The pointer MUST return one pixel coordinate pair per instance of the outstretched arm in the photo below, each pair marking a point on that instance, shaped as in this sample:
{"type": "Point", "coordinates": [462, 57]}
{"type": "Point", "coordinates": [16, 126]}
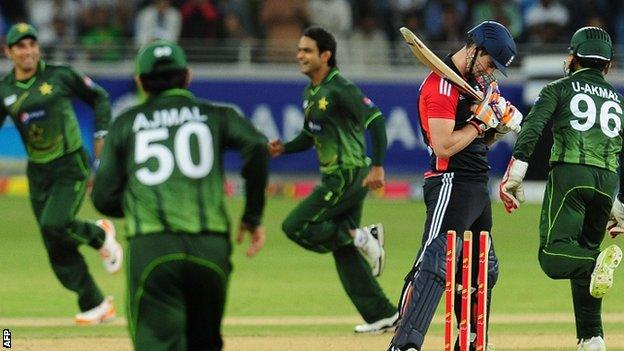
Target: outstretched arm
{"type": "Point", "coordinates": [511, 191]}
{"type": "Point", "coordinates": [110, 179]}
{"type": "Point", "coordinates": [241, 135]}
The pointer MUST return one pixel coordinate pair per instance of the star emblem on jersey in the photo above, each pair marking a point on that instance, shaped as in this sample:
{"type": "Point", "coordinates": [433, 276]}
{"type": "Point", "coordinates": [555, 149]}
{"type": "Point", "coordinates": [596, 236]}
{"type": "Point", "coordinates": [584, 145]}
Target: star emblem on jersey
{"type": "Point", "coordinates": [35, 133]}
{"type": "Point", "coordinates": [323, 104]}
{"type": "Point", "coordinates": [45, 89]}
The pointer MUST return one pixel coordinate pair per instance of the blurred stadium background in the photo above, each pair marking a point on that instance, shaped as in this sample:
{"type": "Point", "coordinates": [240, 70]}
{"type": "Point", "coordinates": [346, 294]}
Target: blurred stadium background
{"type": "Point", "coordinates": [243, 52]}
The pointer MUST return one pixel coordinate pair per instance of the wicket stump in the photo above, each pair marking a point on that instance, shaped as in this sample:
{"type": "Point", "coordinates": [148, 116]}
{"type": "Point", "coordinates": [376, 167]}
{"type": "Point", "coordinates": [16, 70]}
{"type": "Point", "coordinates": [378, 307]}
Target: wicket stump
{"type": "Point", "coordinates": [466, 290]}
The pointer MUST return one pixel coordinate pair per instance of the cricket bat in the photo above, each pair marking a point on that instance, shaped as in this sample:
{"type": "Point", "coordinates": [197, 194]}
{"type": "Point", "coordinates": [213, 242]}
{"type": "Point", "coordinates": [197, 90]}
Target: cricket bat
{"type": "Point", "coordinates": [429, 59]}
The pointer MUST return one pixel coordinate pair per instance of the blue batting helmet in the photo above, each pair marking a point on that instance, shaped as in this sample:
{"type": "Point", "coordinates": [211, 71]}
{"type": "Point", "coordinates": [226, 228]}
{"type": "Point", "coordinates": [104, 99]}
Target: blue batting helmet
{"type": "Point", "coordinates": [497, 41]}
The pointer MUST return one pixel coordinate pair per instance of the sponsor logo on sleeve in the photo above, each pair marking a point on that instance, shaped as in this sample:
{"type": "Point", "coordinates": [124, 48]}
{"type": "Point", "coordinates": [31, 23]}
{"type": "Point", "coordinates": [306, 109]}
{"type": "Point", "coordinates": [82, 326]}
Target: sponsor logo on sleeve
{"type": "Point", "coordinates": [314, 127]}
{"type": "Point", "coordinates": [29, 116]}
{"type": "Point", "coordinates": [88, 82]}
{"type": "Point", "coordinates": [368, 102]}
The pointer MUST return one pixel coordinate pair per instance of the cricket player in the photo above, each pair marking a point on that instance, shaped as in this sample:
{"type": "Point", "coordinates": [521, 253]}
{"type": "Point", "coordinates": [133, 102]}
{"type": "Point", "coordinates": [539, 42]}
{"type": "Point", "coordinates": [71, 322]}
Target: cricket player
{"type": "Point", "coordinates": [37, 97]}
{"type": "Point", "coordinates": [336, 117]}
{"type": "Point", "coordinates": [162, 168]}
{"type": "Point", "coordinates": [586, 112]}
{"type": "Point", "coordinates": [458, 132]}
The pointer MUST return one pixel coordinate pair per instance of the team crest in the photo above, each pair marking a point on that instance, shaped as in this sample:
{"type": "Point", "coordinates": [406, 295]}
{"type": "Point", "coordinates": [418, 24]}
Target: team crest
{"type": "Point", "coordinates": [323, 104]}
{"type": "Point", "coordinates": [35, 133]}
{"type": "Point", "coordinates": [45, 89]}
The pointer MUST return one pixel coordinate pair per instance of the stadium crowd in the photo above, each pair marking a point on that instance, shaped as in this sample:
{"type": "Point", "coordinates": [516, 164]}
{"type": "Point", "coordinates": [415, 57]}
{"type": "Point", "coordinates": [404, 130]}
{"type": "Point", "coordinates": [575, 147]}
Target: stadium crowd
{"type": "Point", "coordinates": [70, 29]}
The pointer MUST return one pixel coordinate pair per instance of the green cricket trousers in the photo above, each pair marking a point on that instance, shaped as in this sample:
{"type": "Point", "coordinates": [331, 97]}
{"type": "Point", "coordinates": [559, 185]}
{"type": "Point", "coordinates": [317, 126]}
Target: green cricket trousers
{"type": "Point", "coordinates": [575, 210]}
{"type": "Point", "coordinates": [321, 223]}
{"type": "Point", "coordinates": [57, 189]}
{"type": "Point", "coordinates": [177, 285]}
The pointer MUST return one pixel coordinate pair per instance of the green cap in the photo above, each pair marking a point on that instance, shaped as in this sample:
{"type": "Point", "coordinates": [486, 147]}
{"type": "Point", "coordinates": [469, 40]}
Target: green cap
{"type": "Point", "coordinates": [592, 42]}
{"type": "Point", "coordinates": [20, 31]}
{"type": "Point", "coordinates": [160, 56]}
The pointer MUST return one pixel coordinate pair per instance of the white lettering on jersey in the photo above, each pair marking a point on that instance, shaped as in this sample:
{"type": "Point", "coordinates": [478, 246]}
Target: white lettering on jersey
{"type": "Point", "coordinates": [595, 90]}
{"type": "Point", "coordinates": [168, 118]}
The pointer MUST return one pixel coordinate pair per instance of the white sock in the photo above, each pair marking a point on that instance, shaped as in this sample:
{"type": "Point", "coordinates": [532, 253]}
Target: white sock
{"type": "Point", "coordinates": [361, 238]}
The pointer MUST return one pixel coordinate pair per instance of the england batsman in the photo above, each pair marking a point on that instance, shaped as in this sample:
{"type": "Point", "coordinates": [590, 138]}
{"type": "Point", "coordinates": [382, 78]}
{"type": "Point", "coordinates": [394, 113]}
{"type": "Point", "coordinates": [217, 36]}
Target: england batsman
{"type": "Point", "coordinates": [162, 169]}
{"type": "Point", "coordinates": [457, 131]}
{"type": "Point", "coordinates": [38, 99]}
{"type": "Point", "coordinates": [586, 112]}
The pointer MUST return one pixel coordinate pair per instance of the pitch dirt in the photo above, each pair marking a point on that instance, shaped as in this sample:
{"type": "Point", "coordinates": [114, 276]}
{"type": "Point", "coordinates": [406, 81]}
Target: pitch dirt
{"type": "Point", "coordinates": [314, 341]}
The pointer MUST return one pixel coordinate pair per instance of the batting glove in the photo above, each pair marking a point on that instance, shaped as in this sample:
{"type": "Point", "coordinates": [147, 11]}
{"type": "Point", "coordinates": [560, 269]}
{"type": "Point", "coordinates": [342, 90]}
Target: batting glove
{"type": "Point", "coordinates": [510, 117]}
{"type": "Point", "coordinates": [485, 113]}
{"type": "Point", "coordinates": [616, 220]}
{"type": "Point", "coordinates": [511, 191]}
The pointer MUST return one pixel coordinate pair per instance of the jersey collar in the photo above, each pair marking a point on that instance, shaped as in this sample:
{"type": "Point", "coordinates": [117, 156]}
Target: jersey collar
{"type": "Point", "coordinates": [27, 84]}
{"type": "Point", "coordinates": [588, 70]}
{"type": "Point", "coordinates": [330, 75]}
{"type": "Point", "coordinates": [174, 92]}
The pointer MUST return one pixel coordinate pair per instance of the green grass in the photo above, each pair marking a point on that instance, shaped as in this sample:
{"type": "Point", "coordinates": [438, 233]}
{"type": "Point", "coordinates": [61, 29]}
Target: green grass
{"type": "Point", "coordinates": [285, 280]}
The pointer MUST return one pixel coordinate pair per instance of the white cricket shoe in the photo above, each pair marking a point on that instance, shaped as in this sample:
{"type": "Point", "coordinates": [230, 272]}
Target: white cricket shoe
{"type": "Point", "coordinates": [594, 344]}
{"type": "Point", "coordinates": [394, 348]}
{"type": "Point", "coordinates": [111, 251]}
{"type": "Point", "coordinates": [602, 277]}
{"type": "Point", "coordinates": [373, 251]}
{"type": "Point", "coordinates": [102, 313]}
{"type": "Point", "coordinates": [378, 327]}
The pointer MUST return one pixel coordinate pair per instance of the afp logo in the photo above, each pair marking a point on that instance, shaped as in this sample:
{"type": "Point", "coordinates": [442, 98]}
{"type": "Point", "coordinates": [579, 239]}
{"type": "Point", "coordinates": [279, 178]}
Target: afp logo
{"type": "Point", "coordinates": [6, 338]}
{"type": "Point", "coordinates": [162, 51]}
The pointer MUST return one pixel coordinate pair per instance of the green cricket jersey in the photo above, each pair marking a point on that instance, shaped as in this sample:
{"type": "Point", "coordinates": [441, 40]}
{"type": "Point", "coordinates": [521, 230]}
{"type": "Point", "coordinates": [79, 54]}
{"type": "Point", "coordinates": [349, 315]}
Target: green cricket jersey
{"type": "Point", "coordinates": [42, 110]}
{"type": "Point", "coordinates": [336, 115]}
{"type": "Point", "coordinates": [162, 165]}
{"type": "Point", "coordinates": [587, 121]}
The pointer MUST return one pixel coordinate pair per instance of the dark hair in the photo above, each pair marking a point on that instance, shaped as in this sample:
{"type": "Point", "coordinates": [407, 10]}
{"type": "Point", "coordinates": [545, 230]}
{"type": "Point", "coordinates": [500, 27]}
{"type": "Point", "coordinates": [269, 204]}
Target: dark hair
{"type": "Point", "coordinates": [155, 83]}
{"type": "Point", "coordinates": [592, 63]}
{"type": "Point", "coordinates": [325, 41]}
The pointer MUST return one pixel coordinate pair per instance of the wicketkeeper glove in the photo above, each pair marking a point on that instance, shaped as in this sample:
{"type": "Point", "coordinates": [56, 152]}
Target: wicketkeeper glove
{"type": "Point", "coordinates": [510, 117]}
{"type": "Point", "coordinates": [486, 115]}
{"type": "Point", "coordinates": [511, 191]}
{"type": "Point", "coordinates": [615, 225]}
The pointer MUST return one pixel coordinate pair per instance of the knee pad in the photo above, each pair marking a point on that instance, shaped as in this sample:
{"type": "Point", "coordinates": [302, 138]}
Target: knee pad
{"type": "Point", "coordinates": [421, 299]}
{"type": "Point", "coordinates": [433, 259]}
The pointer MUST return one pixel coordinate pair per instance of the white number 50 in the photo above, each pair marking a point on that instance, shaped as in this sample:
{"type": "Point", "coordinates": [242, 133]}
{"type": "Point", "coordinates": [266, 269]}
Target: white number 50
{"type": "Point", "coordinates": [146, 147]}
{"type": "Point", "coordinates": [589, 115]}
